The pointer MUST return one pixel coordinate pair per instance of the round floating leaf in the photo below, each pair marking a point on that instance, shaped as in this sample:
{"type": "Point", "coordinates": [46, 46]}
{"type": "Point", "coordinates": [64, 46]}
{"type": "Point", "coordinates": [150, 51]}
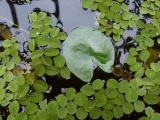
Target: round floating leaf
{"type": "Point", "coordinates": [95, 113]}
{"type": "Point", "coordinates": [47, 20]}
{"type": "Point", "coordinates": [17, 70]}
{"type": "Point", "coordinates": [80, 99]}
{"type": "Point", "coordinates": [140, 24]}
{"type": "Point", "coordinates": [87, 90]}
{"type": "Point", "coordinates": [37, 24]}
{"type": "Point", "coordinates": [131, 95]}
{"type": "Point", "coordinates": [9, 65]}
{"type": "Point", "coordinates": [33, 16]}
{"type": "Point", "coordinates": [36, 54]}
{"type": "Point", "coordinates": [40, 70]}
{"type": "Point", "coordinates": [115, 8]}
{"type": "Point", "coordinates": [8, 76]}
{"type": "Point", "coordinates": [2, 83]}
{"type": "Point", "coordinates": [5, 102]}
{"type": "Point", "coordinates": [61, 36]}
{"type": "Point", "coordinates": [31, 108]}
{"type": "Point", "coordinates": [52, 70]}
{"type": "Point", "coordinates": [109, 105]}
{"type": "Point", "coordinates": [89, 105]}
{"type": "Point", "coordinates": [65, 72]}
{"type": "Point", "coordinates": [127, 108]}
{"type": "Point", "coordinates": [51, 52]}
{"type": "Point", "coordinates": [32, 45]}
{"type": "Point", "coordinates": [69, 117]}
{"type": "Point", "coordinates": [150, 73]}
{"type": "Point", "coordinates": [110, 15]}
{"type": "Point", "coordinates": [43, 105]}
{"type": "Point", "coordinates": [97, 84]}
{"type": "Point", "coordinates": [149, 112]}
{"type": "Point", "coordinates": [13, 86]}
{"type": "Point", "coordinates": [149, 42]}
{"type": "Point", "coordinates": [86, 3]}
{"type": "Point", "coordinates": [23, 90]}
{"type": "Point", "coordinates": [16, 59]}
{"type": "Point", "coordinates": [139, 106]}
{"type": "Point", "coordinates": [2, 94]}
{"type": "Point", "coordinates": [36, 97]}
{"type": "Point", "coordinates": [46, 60]}
{"type": "Point", "coordinates": [76, 49]}
{"type": "Point", "coordinates": [5, 59]}
{"type": "Point", "coordinates": [125, 7]}
{"type": "Point", "coordinates": [9, 96]}
{"type": "Point", "coordinates": [32, 117]}
{"type": "Point", "coordinates": [107, 114]}
{"type": "Point", "coordinates": [41, 114]}
{"type": "Point", "coordinates": [6, 34]}
{"type": "Point", "coordinates": [100, 99]}
{"type": "Point", "coordinates": [117, 112]}
{"type": "Point", "coordinates": [21, 116]}
{"type": "Point", "coordinates": [70, 93]}
{"type": "Point", "coordinates": [117, 18]}
{"type": "Point", "coordinates": [54, 43]}
{"type": "Point", "coordinates": [40, 86]}
{"type": "Point", "coordinates": [52, 107]}
{"type": "Point", "coordinates": [142, 91]}
{"type": "Point", "coordinates": [2, 69]}
{"type": "Point", "coordinates": [144, 10]}
{"type": "Point", "coordinates": [133, 51]}
{"type": "Point", "coordinates": [131, 60]}
{"type": "Point", "coordinates": [61, 100]}
{"type": "Point", "coordinates": [111, 92]}
{"type": "Point", "coordinates": [59, 61]}
{"type": "Point", "coordinates": [62, 112]}
{"type": "Point", "coordinates": [117, 71]}
{"type": "Point", "coordinates": [126, 15]}
{"type": "Point", "coordinates": [44, 30]}
{"type": "Point", "coordinates": [71, 107]}
{"type": "Point", "coordinates": [42, 40]}
{"type": "Point", "coordinates": [34, 32]}
{"type": "Point", "coordinates": [24, 100]}
{"type": "Point", "coordinates": [14, 107]}
{"type": "Point", "coordinates": [36, 61]}
{"type": "Point", "coordinates": [151, 99]}
{"type": "Point", "coordinates": [81, 113]}
{"type": "Point", "coordinates": [11, 117]}
{"type": "Point", "coordinates": [112, 83]}
{"type": "Point", "coordinates": [123, 86]}
{"type": "Point", "coordinates": [135, 67]}
{"type": "Point", "coordinates": [41, 15]}
{"type": "Point", "coordinates": [54, 32]}
{"type": "Point", "coordinates": [134, 84]}
{"type": "Point", "coordinates": [30, 78]}
{"type": "Point", "coordinates": [7, 43]}
{"type": "Point", "coordinates": [119, 99]}
{"type": "Point", "coordinates": [155, 116]}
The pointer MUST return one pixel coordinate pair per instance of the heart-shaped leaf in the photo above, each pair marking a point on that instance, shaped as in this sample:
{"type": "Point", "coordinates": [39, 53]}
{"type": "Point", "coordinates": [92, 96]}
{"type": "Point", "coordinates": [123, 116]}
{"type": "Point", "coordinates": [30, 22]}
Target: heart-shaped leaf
{"type": "Point", "coordinates": [85, 45]}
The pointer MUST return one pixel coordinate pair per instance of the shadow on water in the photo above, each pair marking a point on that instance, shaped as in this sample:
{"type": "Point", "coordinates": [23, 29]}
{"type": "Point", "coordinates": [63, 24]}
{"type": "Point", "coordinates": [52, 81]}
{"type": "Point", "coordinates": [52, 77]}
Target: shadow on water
{"type": "Point", "coordinates": [67, 16]}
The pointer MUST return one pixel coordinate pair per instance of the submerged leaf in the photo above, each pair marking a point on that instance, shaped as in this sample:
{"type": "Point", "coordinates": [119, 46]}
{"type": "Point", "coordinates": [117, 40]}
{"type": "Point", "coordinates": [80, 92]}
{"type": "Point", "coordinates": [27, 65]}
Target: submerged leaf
{"type": "Point", "coordinates": [80, 51]}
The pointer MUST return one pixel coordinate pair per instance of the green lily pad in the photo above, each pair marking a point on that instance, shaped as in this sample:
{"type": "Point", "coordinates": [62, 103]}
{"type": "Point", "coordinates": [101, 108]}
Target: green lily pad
{"type": "Point", "coordinates": [75, 49]}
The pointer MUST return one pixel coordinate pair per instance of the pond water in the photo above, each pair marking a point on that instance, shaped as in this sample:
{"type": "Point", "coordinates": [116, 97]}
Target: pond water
{"type": "Point", "coordinates": [67, 14]}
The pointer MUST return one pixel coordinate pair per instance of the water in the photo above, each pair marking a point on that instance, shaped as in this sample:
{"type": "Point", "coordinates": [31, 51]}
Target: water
{"type": "Point", "coordinates": [67, 14]}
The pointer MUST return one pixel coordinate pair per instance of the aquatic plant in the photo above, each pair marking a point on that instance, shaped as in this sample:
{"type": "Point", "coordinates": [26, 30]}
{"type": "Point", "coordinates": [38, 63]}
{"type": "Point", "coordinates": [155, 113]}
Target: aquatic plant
{"type": "Point", "coordinates": [90, 45]}
{"type": "Point", "coordinates": [106, 99]}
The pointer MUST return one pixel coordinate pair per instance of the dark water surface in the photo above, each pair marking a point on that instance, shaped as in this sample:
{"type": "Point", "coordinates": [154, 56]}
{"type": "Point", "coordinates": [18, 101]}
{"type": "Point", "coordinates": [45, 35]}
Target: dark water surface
{"type": "Point", "coordinates": [67, 14]}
